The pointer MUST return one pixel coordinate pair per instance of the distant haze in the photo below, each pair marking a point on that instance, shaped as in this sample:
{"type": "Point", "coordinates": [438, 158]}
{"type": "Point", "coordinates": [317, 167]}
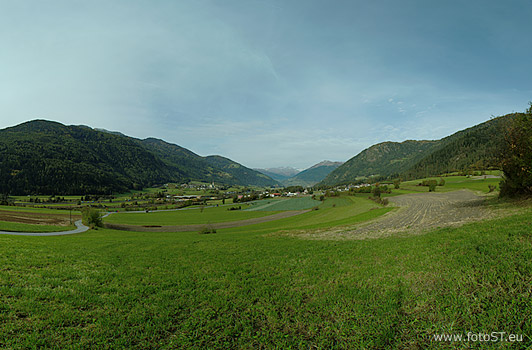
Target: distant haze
{"type": "Point", "coordinates": [266, 83]}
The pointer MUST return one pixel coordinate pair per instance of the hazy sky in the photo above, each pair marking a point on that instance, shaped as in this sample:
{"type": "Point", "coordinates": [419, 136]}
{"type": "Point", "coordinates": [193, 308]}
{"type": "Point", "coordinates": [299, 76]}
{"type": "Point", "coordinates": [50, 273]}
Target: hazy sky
{"type": "Point", "coordinates": [266, 83]}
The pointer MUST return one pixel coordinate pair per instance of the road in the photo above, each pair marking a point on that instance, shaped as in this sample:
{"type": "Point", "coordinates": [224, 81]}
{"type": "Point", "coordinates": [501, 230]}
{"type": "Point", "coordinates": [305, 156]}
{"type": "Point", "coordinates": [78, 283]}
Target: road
{"type": "Point", "coordinates": [79, 229]}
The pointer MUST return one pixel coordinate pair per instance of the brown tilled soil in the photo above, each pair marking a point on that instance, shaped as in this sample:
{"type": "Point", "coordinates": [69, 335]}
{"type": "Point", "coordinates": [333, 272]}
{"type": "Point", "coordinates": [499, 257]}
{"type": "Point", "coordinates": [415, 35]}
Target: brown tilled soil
{"type": "Point", "coordinates": [220, 225]}
{"type": "Point", "coordinates": [416, 213]}
{"type": "Point", "coordinates": [36, 218]}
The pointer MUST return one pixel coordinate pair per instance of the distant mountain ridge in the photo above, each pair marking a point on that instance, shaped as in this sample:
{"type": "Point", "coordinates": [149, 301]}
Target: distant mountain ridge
{"type": "Point", "coordinates": [280, 173]}
{"type": "Point", "coordinates": [289, 176]}
{"type": "Point", "coordinates": [44, 157]}
{"type": "Point", "coordinates": [313, 175]}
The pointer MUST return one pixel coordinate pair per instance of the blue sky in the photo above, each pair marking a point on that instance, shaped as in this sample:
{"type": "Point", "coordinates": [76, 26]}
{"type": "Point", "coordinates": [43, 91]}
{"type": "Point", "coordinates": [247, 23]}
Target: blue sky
{"type": "Point", "coordinates": [266, 83]}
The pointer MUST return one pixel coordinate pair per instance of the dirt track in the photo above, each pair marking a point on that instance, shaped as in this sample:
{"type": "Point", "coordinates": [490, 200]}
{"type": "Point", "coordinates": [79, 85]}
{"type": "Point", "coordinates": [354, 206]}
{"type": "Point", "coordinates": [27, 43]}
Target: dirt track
{"type": "Point", "coordinates": [417, 212]}
{"type": "Point", "coordinates": [220, 225]}
{"type": "Point", "coordinates": [36, 218]}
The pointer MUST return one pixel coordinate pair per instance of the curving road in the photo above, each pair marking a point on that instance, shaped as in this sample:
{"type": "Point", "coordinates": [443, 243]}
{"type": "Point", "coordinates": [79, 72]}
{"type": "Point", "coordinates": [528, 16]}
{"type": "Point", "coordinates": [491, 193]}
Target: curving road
{"type": "Point", "coordinates": [79, 229]}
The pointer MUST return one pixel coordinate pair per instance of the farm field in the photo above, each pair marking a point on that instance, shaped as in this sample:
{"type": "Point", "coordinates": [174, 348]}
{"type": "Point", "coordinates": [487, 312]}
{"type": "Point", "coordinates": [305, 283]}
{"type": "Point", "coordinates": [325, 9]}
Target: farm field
{"type": "Point", "coordinates": [189, 216]}
{"type": "Point", "coordinates": [452, 183]}
{"type": "Point", "coordinates": [21, 227]}
{"type": "Point", "coordinates": [251, 289]}
{"type": "Point", "coordinates": [299, 203]}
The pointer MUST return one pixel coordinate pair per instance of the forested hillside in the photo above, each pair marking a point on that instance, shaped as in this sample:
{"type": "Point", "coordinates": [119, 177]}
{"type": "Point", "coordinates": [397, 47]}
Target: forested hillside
{"type": "Point", "coordinates": [477, 147]}
{"type": "Point", "coordinates": [382, 160]}
{"type": "Point", "coordinates": [50, 158]}
{"type": "Point", "coordinates": [43, 157]}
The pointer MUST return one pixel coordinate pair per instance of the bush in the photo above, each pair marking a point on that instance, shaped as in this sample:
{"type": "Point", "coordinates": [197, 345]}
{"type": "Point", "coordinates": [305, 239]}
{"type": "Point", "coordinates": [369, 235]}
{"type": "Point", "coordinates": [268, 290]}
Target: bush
{"type": "Point", "coordinates": [92, 217]}
{"type": "Point", "coordinates": [207, 230]}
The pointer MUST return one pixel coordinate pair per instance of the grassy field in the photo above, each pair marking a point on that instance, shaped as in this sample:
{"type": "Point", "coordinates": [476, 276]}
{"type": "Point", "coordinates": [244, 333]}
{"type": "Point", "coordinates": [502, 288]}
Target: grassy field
{"type": "Point", "coordinates": [20, 227]}
{"type": "Point", "coordinates": [452, 183]}
{"type": "Point", "coordinates": [115, 289]}
{"type": "Point", "coordinates": [282, 204]}
{"type": "Point", "coordinates": [187, 216]}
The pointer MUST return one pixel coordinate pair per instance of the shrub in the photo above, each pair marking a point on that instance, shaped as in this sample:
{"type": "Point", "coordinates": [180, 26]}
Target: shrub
{"type": "Point", "coordinates": [397, 184]}
{"type": "Point", "coordinates": [92, 217]}
{"type": "Point", "coordinates": [207, 230]}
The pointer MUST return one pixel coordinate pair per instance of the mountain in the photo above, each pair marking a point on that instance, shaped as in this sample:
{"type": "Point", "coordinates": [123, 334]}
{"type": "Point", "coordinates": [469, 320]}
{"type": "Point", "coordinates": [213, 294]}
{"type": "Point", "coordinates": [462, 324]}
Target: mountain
{"type": "Point", "coordinates": [44, 157]}
{"type": "Point", "coordinates": [476, 147]}
{"type": "Point", "coordinates": [313, 175]}
{"type": "Point", "coordinates": [279, 174]}
{"type": "Point", "coordinates": [381, 160]}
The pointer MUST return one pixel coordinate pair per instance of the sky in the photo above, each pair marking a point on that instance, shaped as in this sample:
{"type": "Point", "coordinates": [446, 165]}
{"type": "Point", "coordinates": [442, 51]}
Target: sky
{"type": "Point", "coordinates": [267, 83]}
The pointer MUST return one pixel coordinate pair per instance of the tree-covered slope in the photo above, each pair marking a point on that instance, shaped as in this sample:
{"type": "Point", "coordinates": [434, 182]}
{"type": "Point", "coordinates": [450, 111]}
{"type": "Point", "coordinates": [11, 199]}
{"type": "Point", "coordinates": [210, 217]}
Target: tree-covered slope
{"type": "Point", "coordinates": [233, 172]}
{"type": "Point", "coordinates": [383, 160]}
{"type": "Point", "coordinates": [43, 157]}
{"type": "Point", "coordinates": [477, 147]}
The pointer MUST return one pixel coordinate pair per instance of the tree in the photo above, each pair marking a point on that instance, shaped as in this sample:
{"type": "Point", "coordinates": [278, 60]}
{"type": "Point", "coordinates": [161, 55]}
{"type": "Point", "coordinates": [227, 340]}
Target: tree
{"type": "Point", "coordinates": [92, 217]}
{"type": "Point", "coordinates": [397, 183]}
{"type": "Point", "coordinates": [516, 158]}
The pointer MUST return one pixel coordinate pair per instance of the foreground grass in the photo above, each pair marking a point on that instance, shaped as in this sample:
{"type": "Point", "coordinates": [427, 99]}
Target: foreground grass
{"type": "Point", "coordinates": [111, 289]}
{"type": "Point", "coordinates": [20, 227]}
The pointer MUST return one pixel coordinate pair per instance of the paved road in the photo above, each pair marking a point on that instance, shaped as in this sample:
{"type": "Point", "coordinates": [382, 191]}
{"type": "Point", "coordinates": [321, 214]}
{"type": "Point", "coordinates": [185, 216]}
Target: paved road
{"type": "Point", "coordinates": [79, 229]}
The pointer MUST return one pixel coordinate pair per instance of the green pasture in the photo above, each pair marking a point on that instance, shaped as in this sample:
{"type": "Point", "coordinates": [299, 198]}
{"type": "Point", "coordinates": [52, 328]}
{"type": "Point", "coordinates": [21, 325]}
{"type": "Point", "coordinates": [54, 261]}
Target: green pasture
{"type": "Point", "coordinates": [20, 227]}
{"type": "Point", "coordinates": [37, 210]}
{"type": "Point", "coordinates": [282, 204]}
{"type": "Point", "coordinates": [187, 216]}
{"type": "Point", "coordinates": [452, 183]}
{"type": "Point", "coordinates": [335, 211]}
{"type": "Point", "coordinates": [249, 289]}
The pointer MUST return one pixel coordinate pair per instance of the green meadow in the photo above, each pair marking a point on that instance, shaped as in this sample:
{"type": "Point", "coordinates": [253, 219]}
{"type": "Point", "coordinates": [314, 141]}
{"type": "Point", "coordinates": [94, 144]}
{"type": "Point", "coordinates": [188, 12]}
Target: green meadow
{"type": "Point", "coordinates": [238, 289]}
{"type": "Point", "coordinates": [259, 286]}
{"type": "Point", "coordinates": [187, 216]}
{"type": "Point", "coordinates": [20, 227]}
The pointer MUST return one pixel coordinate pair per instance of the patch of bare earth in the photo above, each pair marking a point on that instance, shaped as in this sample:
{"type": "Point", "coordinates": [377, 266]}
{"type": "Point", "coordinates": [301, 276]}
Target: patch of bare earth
{"type": "Point", "coordinates": [416, 213]}
{"type": "Point", "coordinates": [36, 218]}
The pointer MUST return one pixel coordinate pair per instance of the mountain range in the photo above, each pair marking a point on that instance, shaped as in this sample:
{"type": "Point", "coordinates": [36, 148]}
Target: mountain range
{"type": "Point", "coordinates": [44, 157]}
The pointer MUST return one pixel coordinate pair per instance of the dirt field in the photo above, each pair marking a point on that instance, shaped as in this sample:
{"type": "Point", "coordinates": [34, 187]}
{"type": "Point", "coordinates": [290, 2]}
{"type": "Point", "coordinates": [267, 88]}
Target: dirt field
{"type": "Point", "coordinates": [417, 212]}
{"type": "Point", "coordinates": [37, 218]}
{"type": "Point", "coordinates": [220, 225]}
